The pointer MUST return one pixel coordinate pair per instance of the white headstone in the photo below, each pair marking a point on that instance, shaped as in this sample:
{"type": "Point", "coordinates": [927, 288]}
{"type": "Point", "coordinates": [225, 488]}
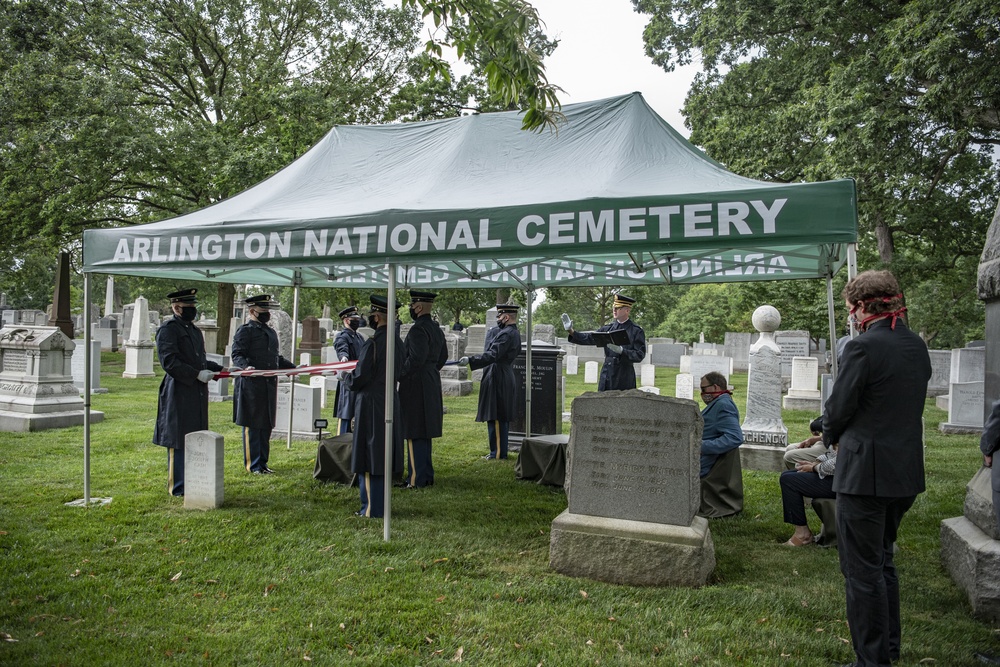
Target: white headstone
{"type": "Point", "coordinates": [965, 409]}
{"type": "Point", "coordinates": [305, 359]}
{"type": "Point", "coordinates": [319, 381]}
{"type": "Point", "coordinates": [803, 394]}
{"type": "Point", "coordinates": [684, 386]}
{"type": "Point", "coordinates": [203, 470]}
{"type": "Point", "coordinates": [95, 367]}
{"type": "Point", "coordinates": [590, 374]}
{"type": "Point", "coordinates": [650, 390]}
{"type": "Point", "coordinates": [648, 375]}
{"type": "Point", "coordinates": [572, 364]}
{"type": "Point", "coordinates": [307, 408]}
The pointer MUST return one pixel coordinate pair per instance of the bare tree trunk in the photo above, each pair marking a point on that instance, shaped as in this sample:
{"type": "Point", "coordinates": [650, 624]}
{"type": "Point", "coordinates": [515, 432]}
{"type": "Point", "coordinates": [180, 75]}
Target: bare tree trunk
{"type": "Point", "coordinates": [886, 246]}
{"type": "Point", "coordinates": [503, 294]}
{"type": "Point", "coordinates": [225, 295]}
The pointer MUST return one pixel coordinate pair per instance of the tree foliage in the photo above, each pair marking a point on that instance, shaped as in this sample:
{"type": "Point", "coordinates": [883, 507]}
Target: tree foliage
{"type": "Point", "coordinates": [904, 97]}
{"type": "Point", "coordinates": [503, 41]}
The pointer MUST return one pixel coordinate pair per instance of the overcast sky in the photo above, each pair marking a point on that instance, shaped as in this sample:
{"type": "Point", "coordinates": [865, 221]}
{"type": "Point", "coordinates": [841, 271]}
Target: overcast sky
{"type": "Point", "coordinates": [601, 55]}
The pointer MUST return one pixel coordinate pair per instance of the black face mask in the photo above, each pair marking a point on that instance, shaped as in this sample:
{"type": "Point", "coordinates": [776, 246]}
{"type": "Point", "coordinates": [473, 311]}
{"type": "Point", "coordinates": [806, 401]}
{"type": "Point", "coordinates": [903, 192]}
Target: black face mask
{"type": "Point", "coordinates": [354, 324]}
{"type": "Point", "coordinates": [264, 317]}
{"type": "Point", "coordinates": [413, 315]}
{"type": "Point", "coordinates": [188, 313]}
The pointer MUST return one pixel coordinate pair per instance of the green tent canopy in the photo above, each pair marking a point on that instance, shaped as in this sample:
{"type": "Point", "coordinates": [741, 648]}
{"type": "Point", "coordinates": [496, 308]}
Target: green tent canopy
{"type": "Point", "coordinates": [615, 196]}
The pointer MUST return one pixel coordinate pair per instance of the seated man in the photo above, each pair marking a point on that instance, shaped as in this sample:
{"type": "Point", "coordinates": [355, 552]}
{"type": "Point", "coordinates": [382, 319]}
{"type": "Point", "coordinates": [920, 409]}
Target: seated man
{"type": "Point", "coordinates": [809, 480]}
{"type": "Point", "coordinates": [721, 474]}
{"type": "Point", "coordinates": [809, 449]}
{"type": "Point", "coordinates": [722, 430]}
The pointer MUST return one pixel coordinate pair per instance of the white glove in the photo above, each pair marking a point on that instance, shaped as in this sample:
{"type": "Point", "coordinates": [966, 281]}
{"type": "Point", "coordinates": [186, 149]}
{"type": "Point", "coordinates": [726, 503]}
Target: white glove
{"type": "Point", "coordinates": [343, 359]}
{"type": "Point", "coordinates": [464, 361]}
{"type": "Point", "coordinates": [617, 349]}
{"type": "Point", "coordinates": [205, 375]}
{"type": "Point", "coordinates": [567, 323]}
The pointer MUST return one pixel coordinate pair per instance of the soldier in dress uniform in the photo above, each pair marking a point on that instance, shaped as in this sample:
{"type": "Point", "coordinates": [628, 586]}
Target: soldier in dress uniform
{"type": "Point", "coordinates": [347, 344]}
{"type": "Point", "coordinates": [255, 399]}
{"type": "Point", "coordinates": [498, 389]}
{"type": "Point", "coordinates": [183, 403]}
{"type": "Point", "coordinates": [618, 372]}
{"type": "Point", "coordinates": [420, 389]}
{"type": "Point", "coordinates": [367, 381]}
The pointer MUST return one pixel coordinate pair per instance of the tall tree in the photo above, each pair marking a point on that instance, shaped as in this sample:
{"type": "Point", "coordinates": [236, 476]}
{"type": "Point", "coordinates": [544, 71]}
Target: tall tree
{"type": "Point", "coordinates": [902, 96]}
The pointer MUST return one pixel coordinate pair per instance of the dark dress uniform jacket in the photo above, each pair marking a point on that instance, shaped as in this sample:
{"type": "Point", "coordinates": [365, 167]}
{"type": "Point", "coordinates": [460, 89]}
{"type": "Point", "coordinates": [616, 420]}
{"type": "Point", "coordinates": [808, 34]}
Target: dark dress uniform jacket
{"type": "Point", "coordinates": [420, 380]}
{"type": "Point", "coordinates": [183, 404]}
{"type": "Point", "coordinates": [498, 389]}
{"type": "Point", "coordinates": [367, 381]}
{"type": "Point", "coordinates": [875, 412]}
{"type": "Point", "coordinates": [347, 344]}
{"type": "Point", "coordinates": [618, 372]}
{"type": "Point", "coordinates": [255, 399]}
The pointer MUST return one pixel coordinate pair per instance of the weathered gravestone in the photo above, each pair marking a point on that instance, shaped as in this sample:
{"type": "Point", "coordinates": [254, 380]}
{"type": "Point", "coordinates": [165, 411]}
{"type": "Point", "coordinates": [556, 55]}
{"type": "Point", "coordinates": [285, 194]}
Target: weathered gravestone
{"type": "Point", "coordinates": [764, 433]}
{"type": "Point", "coordinates": [633, 490]}
{"type": "Point", "coordinates": [310, 336]}
{"type": "Point", "coordinates": [791, 343]}
{"type": "Point", "coordinates": [306, 409]}
{"type": "Point", "coordinates": [218, 390]}
{"type": "Point", "coordinates": [203, 470]}
{"type": "Point", "coordinates": [938, 385]}
{"type": "Point", "coordinates": [79, 367]}
{"type": "Point", "coordinates": [572, 364]}
{"type": "Point", "coordinates": [106, 331]}
{"type": "Point", "coordinates": [737, 346]}
{"type": "Point", "coordinates": [970, 548]}
{"type": "Point", "coordinates": [281, 322]}
{"type": "Point", "coordinates": [36, 381]}
{"type": "Point", "coordinates": [455, 379]}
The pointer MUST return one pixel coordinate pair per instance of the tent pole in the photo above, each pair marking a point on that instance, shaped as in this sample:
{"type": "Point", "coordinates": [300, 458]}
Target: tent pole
{"type": "Point", "coordinates": [87, 365]}
{"type": "Point", "coordinates": [852, 270]}
{"type": "Point", "coordinates": [833, 326]}
{"type": "Point", "coordinates": [528, 375]}
{"type": "Point", "coordinates": [390, 394]}
{"type": "Point", "coordinates": [295, 330]}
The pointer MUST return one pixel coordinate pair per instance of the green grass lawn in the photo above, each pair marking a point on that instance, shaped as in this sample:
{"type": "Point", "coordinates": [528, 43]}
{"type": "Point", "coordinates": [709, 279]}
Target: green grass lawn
{"type": "Point", "coordinates": [284, 574]}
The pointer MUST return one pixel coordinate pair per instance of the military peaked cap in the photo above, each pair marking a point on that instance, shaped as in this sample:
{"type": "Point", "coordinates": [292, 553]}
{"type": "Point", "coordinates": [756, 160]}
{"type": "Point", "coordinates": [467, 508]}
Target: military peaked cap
{"type": "Point", "coordinates": [622, 300]}
{"type": "Point", "coordinates": [350, 311]}
{"type": "Point", "coordinates": [507, 308]}
{"type": "Point", "coordinates": [183, 296]}
{"type": "Point", "coordinates": [380, 304]}
{"type": "Point", "coordinates": [425, 297]}
{"type": "Point", "coordinates": [262, 301]}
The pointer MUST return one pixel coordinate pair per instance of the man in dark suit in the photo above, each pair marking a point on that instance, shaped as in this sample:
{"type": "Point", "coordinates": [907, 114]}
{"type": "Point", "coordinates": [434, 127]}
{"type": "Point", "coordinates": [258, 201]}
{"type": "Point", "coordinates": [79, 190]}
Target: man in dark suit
{"type": "Point", "coordinates": [183, 403]}
{"type": "Point", "coordinates": [420, 389]}
{"type": "Point", "coordinates": [875, 413]}
{"type": "Point", "coordinates": [498, 389]}
{"type": "Point", "coordinates": [618, 371]}
{"type": "Point", "coordinates": [255, 399]}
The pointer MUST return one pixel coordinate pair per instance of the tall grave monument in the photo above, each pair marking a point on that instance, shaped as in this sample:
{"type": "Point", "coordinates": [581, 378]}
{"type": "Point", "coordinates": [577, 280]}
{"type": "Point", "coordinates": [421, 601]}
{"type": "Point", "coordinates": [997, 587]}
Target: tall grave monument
{"type": "Point", "coordinates": [970, 544]}
{"type": "Point", "coordinates": [764, 433]}
{"type": "Point", "coordinates": [139, 344]}
{"type": "Point", "coordinates": [633, 489]}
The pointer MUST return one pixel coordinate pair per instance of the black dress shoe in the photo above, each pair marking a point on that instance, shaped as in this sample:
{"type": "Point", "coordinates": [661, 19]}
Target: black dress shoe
{"type": "Point", "coordinates": [988, 658]}
{"type": "Point", "coordinates": [489, 457]}
{"type": "Point", "coordinates": [258, 472]}
{"type": "Point", "coordinates": [268, 471]}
